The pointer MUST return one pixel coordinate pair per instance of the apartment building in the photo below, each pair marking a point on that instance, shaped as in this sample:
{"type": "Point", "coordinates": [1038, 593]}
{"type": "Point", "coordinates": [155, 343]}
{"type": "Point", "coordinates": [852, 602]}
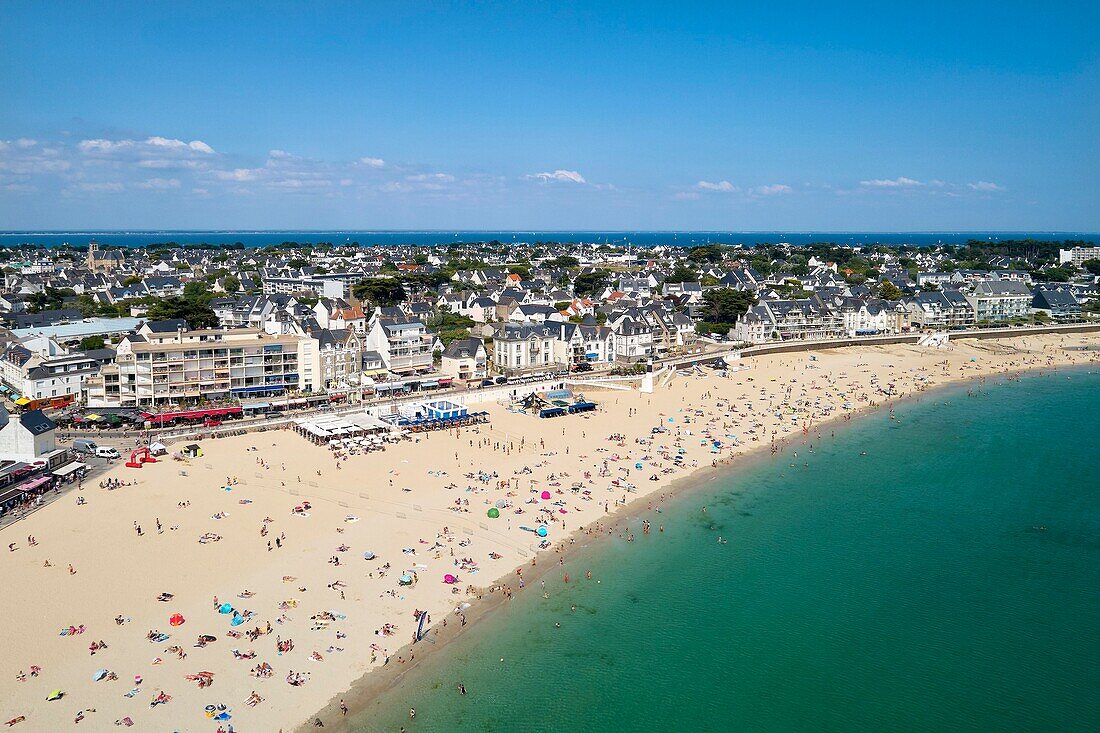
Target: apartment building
{"type": "Point", "coordinates": [165, 363]}
{"type": "Point", "coordinates": [1000, 300]}
{"type": "Point", "coordinates": [1078, 255]}
{"type": "Point", "coordinates": [405, 345]}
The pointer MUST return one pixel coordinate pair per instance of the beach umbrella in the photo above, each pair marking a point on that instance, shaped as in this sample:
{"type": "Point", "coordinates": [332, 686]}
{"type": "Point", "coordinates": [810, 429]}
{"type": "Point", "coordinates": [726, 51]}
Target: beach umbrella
{"type": "Point", "coordinates": [545, 495]}
{"type": "Point", "coordinates": [237, 621]}
{"type": "Point", "coordinates": [405, 579]}
{"type": "Point", "coordinates": [368, 555]}
{"type": "Point", "coordinates": [541, 531]}
{"type": "Point", "coordinates": [450, 579]}
{"type": "Point", "coordinates": [637, 465]}
{"type": "Point", "coordinates": [55, 695]}
{"type": "Point", "coordinates": [225, 608]}
{"type": "Point", "coordinates": [493, 513]}
{"type": "Point", "coordinates": [501, 503]}
{"type": "Point", "coordinates": [176, 619]}
{"type": "Point", "coordinates": [99, 674]}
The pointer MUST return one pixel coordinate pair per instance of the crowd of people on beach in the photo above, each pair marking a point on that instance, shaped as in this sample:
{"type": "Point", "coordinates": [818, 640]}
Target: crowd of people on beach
{"type": "Point", "coordinates": [501, 528]}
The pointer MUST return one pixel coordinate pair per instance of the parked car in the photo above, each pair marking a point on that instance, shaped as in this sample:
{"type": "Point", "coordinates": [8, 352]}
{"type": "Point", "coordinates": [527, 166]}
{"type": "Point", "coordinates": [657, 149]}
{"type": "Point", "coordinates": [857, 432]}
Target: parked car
{"type": "Point", "coordinates": [106, 451]}
{"type": "Point", "coordinates": [584, 366]}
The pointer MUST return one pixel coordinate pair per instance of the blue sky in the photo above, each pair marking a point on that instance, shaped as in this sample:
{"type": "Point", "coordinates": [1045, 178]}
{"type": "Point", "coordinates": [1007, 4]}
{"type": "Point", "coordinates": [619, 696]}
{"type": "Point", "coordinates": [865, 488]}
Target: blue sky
{"type": "Point", "coordinates": [731, 116]}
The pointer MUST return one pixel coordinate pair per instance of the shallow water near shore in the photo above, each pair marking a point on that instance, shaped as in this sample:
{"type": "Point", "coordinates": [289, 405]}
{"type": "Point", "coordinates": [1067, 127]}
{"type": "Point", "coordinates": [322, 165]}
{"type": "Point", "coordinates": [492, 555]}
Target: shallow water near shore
{"type": "Point", "coordinates": [937, 571]}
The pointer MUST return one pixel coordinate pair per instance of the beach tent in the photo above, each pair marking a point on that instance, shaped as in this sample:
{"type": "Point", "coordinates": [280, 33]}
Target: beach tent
{"type": "Point", "coordinates": [493, 513]}
{"type": "Point", "coordinates": [450, 579]}
{"type": "Point", "coordinates": [368, 555]}
{"type": "Point", "coordinates": [541, 531]}
{"type": "Point", "coordinates": [545, 495]}
{"type": "Point", "coordinates": [55, 695]}
{"type": "Point", "coordinates": [158, 449]}
{"type": "Point", "coordinates": [99, 674]}
{"type": "Point", "coordinates": [225, 608]}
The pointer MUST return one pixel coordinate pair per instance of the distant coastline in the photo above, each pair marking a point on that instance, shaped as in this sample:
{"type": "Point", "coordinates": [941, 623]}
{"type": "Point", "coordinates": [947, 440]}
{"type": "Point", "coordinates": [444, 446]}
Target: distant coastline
{"type": "Point", "coordinates": [436, 237]}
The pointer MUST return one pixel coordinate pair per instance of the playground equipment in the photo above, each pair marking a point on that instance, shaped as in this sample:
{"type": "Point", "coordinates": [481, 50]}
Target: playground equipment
{"type": "Point", "coordinates": [140, 457]}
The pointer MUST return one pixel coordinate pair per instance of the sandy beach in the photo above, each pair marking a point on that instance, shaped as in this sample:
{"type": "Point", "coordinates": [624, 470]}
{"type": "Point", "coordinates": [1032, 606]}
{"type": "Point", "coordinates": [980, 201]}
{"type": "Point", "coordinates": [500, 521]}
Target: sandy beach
{"type": "Point", "coordinates": [261, 543]}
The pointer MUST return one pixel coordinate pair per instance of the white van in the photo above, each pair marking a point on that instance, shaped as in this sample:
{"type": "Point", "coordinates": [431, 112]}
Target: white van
{"type": "Point", "coordinates": [106, 451]}
{"type": "Point", "coordinates": [83, 445]}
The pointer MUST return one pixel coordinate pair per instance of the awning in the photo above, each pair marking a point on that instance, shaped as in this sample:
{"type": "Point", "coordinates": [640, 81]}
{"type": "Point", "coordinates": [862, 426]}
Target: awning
{"type": "Point", "coordinates": [7, 495]}
{"type": "Point", "coordinates": [69, 468]}
{"type": "Point", "coordinates": [256, 406]}
{"type": "Point", "coordinates": [34, 483]}
{"type": "Point", "coordinates": [23, 401]}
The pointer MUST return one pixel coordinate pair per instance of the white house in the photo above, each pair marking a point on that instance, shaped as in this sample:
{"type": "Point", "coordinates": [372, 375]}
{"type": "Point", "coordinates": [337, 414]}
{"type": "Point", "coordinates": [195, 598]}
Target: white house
{"type": "Point", "coordinates": [26, 437]}
{"type": "Point", "coordinates": [465, 359]}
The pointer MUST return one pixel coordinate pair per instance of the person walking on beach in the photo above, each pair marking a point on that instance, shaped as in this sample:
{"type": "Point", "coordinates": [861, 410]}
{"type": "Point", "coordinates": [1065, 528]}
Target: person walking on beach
{"type": "Point", "coordinates": [343, 708]}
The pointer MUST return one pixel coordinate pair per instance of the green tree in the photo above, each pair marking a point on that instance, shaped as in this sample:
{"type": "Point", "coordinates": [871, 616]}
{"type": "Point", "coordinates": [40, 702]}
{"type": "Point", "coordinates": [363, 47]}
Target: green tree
{"type": "Point", "coordinates": [1092, 265]}
{"type": "Point", "coordinates": [380, 291]}
{"type": "Point", "coordinates": [706, 253]}
{"type": "Point", "coordinates": [889, 291]}
{"type": "Point", "coordinates": [682, 274]}
{"type": "Point", "coordinates": [196, 312]}
{"type": "Point", "coordinates": [91, 342]}
{"type": "Point", "coordinates": [590, 283]}
{"type": "Point", "coordinates": [231, 283]}
{"type": "Point", "coordinates": [565, 261]}
{"type": "Point", "coordinates": [725, 305]}
{"type": "Point", "coordinates": [197, 291]}
{"type": "Point", "coordinates": [132, 280]}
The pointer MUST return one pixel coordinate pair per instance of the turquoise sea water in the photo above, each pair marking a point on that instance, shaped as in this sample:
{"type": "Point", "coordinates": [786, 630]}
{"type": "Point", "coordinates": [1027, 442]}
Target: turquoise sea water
{"type": "Point", "coordinates": [948, 580]}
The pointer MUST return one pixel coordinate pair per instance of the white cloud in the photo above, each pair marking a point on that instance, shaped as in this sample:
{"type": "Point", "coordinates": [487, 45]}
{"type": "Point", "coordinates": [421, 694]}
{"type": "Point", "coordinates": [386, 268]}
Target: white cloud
{"type": "Point", "coordinates": [197, 146]}
{"type": "Point", "coordinates": [100, 145]}
{"type": "Point", "coordinates": [559, 175]}
{"type": "Point", "coordinates": [772, 189]}
{"type": "Point", "coordinates": [373, 162]}
{"type": "Point", "coordinates": [239, 174]}
{"type": "Point", "coordinates": [899, 182]}
{"type": "Point", "coordinates": [432, 178]}
{"type": "Point", "coordinates": [721, 186]}
{"type": "Point", "coordinates": [685, 196]}
{"type": "Point", "coordinates": [159, 184]}
{"type": "Point", "coordinates": [26, 142]}
{"type": "Point", "coordinates": [986, 186]}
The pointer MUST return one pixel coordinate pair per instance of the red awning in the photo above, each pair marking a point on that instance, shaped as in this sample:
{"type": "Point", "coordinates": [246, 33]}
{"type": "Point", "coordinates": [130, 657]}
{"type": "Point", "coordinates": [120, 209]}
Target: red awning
{"type": "Point", "coordinates": [191, 414]}
{"type": "Point", "coordinates": [34, 483]}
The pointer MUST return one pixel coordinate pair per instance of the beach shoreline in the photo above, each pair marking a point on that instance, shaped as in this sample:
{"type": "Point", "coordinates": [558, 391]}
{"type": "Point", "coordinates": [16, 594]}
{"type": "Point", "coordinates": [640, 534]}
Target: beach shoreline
{"type": "Point", "coordinates": [370, 689]}
{"type": "Point", "coordinates": [393, 504]}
